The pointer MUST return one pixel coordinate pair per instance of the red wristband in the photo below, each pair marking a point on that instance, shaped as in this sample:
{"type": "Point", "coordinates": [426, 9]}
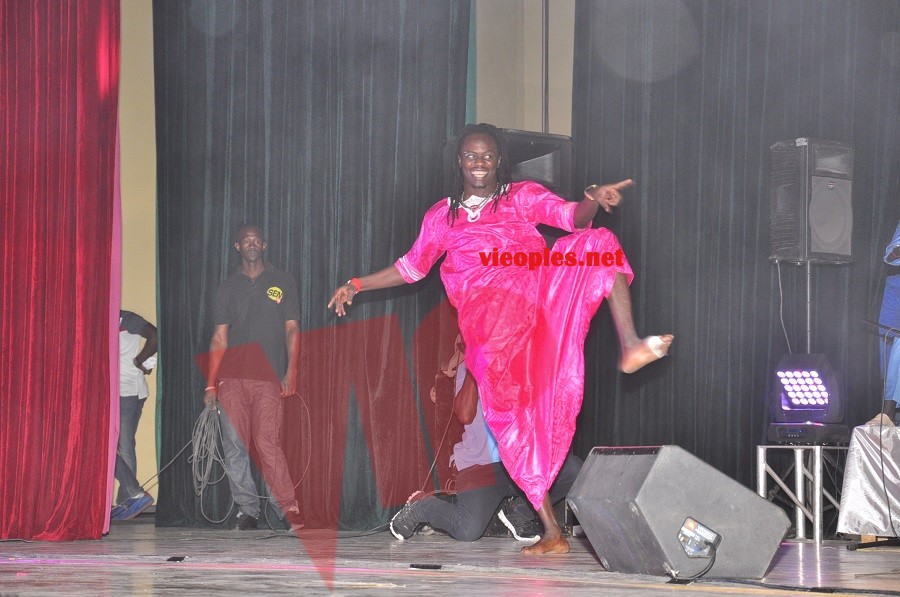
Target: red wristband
{"type": "Point", "coordinates": [357, 284]}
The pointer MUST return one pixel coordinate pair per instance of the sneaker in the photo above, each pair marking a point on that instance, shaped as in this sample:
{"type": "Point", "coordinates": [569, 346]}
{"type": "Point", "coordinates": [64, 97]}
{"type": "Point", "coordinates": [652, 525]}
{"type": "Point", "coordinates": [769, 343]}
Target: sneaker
{"type": "Point", "coordinates": [496, 528]}
{"type": "Point", "coordinates": [245, 522]}
{"type": "Point", "coordinates": [521, 528]}
{"type": "Point", "coordinates": [132, 507]}
{"type": "Point", "coordinates": [404, 523]}
{"type": "Point", "coordinates": [291, 520]}
{"type": "Point", "coordinates": [116, 512]}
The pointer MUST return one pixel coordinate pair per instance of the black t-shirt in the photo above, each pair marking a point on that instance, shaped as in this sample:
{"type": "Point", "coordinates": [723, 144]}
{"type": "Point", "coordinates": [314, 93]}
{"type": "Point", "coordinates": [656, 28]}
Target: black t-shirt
{"type": "Point", "coordinates": [255, 311]}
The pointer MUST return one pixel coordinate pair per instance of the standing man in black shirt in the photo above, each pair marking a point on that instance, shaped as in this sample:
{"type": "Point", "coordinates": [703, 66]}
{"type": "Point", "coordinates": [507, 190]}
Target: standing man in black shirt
{"type": "Point", "coordinates": [256, 313]}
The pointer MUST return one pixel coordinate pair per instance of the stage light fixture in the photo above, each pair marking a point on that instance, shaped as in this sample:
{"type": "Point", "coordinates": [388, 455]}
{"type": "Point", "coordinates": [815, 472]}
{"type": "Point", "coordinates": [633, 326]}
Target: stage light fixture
{"type": "Point", "coordinates": [805, 402]}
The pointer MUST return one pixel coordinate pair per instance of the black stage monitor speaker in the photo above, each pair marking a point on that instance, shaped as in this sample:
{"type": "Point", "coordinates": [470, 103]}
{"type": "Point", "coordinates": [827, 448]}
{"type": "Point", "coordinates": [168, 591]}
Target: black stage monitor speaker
{"type": "Point", "coordinates": [541, 157]}
{"type": "Point", "coordinates": [811, 217]}
{"type": "Point", "coordinates": [661, 511]}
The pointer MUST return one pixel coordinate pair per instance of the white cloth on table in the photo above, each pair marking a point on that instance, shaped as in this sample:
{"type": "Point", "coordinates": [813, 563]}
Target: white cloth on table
{"type": "Point", "coordinates": [864, 507]}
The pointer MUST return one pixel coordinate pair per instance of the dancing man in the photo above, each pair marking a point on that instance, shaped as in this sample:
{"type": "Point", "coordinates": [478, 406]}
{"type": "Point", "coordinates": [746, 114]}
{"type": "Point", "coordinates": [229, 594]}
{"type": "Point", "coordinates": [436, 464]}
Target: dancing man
{"type": "Point", "coordinates": [523, 325]}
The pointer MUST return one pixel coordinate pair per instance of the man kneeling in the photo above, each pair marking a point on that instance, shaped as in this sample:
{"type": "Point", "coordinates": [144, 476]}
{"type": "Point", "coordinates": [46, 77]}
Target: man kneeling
{"type": "Point", "coordinates": [482, 484]}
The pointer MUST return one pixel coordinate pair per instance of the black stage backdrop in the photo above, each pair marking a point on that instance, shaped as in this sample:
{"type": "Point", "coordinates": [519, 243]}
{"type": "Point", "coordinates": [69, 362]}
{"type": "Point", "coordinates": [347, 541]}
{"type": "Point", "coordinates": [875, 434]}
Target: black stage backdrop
{"type": "Point", "coordinates": [687, 97]}
{"type": "Point", "coordinates": [324, 123]}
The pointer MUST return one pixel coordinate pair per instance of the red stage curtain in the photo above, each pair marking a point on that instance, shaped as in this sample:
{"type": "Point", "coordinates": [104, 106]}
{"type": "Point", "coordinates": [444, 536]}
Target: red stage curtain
{"type": "Point", "coordinates": [59, 73]}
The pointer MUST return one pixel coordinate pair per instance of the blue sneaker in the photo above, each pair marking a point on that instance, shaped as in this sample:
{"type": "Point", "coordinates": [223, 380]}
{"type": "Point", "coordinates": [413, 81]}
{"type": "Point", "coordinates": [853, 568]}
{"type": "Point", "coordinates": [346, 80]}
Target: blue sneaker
{"type": "Point", "coordinates": [117, 512]}
{"type": "Point", "coordinates": [133, 506]}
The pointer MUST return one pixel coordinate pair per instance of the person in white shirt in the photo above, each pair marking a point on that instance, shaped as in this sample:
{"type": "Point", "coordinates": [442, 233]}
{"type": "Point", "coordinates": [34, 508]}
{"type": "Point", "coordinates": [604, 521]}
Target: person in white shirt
{"type": "Point", "coordinates": [135, 361]}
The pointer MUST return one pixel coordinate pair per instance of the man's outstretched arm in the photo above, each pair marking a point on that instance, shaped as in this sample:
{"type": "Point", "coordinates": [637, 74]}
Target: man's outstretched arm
{"type": "Point", "coordinates": [344, 294]}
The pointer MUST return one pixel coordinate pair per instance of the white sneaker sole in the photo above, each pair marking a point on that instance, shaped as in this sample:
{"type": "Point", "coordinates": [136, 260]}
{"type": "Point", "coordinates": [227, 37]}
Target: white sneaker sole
{"type": "Point", "coordinates": [512, 529]}
{"type": "Point", "coordinates": [397, 535]}
{"type": "Point", "coordinates": [400, 537]}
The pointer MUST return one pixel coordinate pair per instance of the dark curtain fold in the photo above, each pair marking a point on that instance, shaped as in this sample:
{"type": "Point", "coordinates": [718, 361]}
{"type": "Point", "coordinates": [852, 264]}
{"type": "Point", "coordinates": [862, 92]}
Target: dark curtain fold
{"type": "Point", "coordinates": [687, 97]}
{"type": "Point", "coordinates": [324, 123]}
{"type": "Point", "coordinates": [59, 92]}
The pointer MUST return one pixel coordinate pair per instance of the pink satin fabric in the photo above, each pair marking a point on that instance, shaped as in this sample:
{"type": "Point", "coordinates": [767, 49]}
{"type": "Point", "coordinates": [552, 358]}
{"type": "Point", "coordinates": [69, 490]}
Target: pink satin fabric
{"type": "Point", "coordinates": [524, 328]}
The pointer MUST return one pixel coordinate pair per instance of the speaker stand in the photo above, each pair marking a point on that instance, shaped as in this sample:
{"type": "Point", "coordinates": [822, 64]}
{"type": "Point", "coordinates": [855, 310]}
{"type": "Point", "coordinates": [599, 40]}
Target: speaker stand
{"type": "Point", "coordinates": [808, 307]}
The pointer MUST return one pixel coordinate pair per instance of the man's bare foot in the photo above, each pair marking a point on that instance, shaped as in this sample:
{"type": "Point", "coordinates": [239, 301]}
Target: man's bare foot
{"type": "Point", "coordinates": [547, 544]}
{"type": "Point", "coordinates": [651, 348]}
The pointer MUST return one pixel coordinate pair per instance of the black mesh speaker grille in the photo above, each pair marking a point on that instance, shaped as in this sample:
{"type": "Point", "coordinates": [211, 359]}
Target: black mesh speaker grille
{"type": "Point", "coordinates": [830, 215]}
{"type": "Point", "coordinates": [787, 224]}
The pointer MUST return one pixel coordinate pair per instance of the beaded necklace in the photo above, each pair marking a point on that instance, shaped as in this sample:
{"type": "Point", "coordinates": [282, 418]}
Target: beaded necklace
{"type": "Point", "coordinates": [474, 204]}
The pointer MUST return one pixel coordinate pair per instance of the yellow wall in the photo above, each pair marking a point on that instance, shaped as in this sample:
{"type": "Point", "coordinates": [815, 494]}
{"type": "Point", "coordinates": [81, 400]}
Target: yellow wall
{"type": "Point", "coordinates": [508, 78]}
{"type": "Point", "coordinates": [138, 155]}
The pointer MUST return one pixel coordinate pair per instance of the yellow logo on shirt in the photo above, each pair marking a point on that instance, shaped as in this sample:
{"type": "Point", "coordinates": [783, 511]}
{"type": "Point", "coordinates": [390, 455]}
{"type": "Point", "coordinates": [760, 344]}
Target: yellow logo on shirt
{"type": "Point", "coordinates": [275, 294]}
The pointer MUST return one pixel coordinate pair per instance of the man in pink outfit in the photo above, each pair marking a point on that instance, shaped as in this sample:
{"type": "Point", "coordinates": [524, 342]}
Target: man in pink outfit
{"type": "Point", "coordinates": [524, 326]}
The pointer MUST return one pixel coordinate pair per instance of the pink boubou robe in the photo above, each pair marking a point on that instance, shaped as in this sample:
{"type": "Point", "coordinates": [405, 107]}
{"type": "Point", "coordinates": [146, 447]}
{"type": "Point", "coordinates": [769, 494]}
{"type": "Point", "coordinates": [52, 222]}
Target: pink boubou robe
{"type": "Point", "coordinates": [524, 326]}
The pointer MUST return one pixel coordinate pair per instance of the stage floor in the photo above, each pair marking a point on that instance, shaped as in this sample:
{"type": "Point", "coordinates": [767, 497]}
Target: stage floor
{"type": "Point", "coordinates": [138, 558]}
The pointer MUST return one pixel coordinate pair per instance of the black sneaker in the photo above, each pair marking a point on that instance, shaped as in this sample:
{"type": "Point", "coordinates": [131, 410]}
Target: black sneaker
{"type": "Point", "coordinates": [404, 523]}
{"type": "Point", "coordinates": [245, 522]}
{"type": "Point", "coordinates": [523, 529]}
{"type": "Point", "coordinates": [496, 528]}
